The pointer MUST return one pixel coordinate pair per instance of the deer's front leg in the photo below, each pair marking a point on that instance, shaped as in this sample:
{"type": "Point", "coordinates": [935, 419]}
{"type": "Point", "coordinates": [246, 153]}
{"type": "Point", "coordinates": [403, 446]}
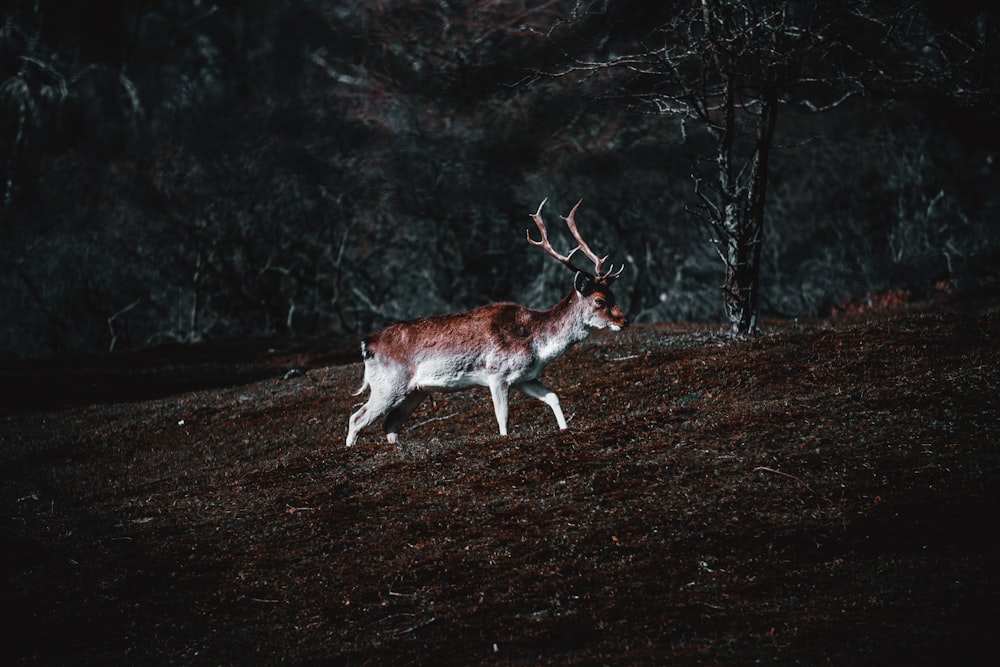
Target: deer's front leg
{"type": "Point", "coordinates": [536, 389]}
{"type": "Point", "coordinates": [500, 391]}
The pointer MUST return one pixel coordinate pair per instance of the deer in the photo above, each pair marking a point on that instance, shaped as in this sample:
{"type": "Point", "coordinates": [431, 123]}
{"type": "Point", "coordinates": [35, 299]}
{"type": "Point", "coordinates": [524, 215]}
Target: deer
{"type": "Point", "coordinates": [502, 346]}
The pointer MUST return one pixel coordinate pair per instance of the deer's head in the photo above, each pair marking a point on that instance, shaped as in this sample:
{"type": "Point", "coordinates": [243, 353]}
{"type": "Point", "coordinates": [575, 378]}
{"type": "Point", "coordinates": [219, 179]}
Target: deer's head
{"type": "Point", "coordinates": [593, 290]}
{"type": "Point", "coordinates": [599, 307]}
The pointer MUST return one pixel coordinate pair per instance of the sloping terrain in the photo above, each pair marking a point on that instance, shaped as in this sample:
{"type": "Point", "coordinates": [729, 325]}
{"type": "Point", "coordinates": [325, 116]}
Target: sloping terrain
{"type": "Point", "coordinates": [823, 494]}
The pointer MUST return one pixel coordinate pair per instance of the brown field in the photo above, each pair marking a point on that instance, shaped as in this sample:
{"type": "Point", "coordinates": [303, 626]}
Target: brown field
{"type": "Point", "coordinates": [825, 493]}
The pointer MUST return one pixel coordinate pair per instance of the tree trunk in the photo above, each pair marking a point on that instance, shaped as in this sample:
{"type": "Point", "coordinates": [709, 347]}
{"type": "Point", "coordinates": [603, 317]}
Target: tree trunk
{"type": "Point", "coordinates": [745, 229]}
{"type": "Point", "coordinates": [741, 289]}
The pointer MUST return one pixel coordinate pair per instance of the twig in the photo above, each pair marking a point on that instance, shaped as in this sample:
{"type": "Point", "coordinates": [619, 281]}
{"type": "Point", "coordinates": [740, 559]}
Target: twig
{"type": "Point", "coordinates": [432, 420]}
{"type": "Point", "coordinates": [414, 628]}
{"type": "Point", "coordinates": [793, 477]}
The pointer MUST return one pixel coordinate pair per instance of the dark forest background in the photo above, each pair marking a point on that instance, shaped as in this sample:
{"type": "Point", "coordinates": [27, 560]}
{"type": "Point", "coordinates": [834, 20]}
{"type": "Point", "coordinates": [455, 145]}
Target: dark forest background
{"type": "Point", "coordinates": [193, 171]}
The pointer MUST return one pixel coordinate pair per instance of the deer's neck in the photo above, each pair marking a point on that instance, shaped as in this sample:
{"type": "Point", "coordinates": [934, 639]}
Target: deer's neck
{"type": "Point", "coordinates": [563, 327]}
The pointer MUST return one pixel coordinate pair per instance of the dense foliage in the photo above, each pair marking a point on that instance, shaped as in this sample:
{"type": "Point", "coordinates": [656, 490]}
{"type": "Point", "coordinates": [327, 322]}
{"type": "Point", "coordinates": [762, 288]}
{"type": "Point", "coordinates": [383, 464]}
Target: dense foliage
{"type": "Point", "coordinates": [183, 171]}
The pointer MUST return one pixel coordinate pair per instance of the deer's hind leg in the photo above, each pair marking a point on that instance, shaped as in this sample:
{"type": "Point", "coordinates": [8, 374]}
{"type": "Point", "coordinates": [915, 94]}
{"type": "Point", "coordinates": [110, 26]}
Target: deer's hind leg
{"type": "Point", "coordinates": [364, 416]}
{"type": "Point", "coordinates": [394, 419]}
{"type": "Point", "coordinates": [388, 392]}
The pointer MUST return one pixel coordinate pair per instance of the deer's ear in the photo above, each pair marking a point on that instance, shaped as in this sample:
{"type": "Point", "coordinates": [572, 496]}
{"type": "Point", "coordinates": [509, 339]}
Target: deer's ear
{"type": "Point", "coordinates": [582, 283]}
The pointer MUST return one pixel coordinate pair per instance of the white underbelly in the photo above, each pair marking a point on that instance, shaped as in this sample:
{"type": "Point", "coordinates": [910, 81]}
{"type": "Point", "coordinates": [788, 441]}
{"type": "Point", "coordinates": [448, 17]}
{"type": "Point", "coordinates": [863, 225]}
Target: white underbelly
{"type": "Point", "coordinates": [459, 372]}
{"type": "Point", "coordinates": [447, 374]}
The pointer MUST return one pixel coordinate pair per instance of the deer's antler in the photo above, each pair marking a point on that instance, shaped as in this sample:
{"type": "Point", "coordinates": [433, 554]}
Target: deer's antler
{"type": "Point", "coordinates": [598, 276]}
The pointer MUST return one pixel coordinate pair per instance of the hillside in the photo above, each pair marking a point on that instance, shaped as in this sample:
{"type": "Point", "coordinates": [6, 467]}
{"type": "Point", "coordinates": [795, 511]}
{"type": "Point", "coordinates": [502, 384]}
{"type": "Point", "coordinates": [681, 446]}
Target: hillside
{"type": "Point", "coordinates": [823, 493]}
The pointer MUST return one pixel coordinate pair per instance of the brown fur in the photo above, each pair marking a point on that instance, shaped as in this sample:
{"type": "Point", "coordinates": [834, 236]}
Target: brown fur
{"type": "Point", "coordinates": [502, 345]}
{"type": "Point", "coordinates": [501, 326]}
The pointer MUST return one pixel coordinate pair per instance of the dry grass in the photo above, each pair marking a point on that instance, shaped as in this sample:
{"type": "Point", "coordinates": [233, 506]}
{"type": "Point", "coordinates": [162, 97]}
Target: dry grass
{"type": "Point", "coordinates": [824, 493]}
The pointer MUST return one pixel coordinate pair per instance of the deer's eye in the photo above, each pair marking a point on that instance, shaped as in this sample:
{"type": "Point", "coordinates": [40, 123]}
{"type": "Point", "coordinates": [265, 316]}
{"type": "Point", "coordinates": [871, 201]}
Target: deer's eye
{"type": "Point", "coordinates": [600, 303]}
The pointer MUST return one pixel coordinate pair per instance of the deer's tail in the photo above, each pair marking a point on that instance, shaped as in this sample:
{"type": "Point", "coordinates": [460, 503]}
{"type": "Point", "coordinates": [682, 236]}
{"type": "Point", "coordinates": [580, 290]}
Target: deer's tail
{"type": "Point", "coordinates": [365, 354]}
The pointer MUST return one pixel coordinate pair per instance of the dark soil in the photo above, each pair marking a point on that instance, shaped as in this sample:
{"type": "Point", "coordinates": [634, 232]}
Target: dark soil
{"type": "Point", "coordinates": [826, 493]}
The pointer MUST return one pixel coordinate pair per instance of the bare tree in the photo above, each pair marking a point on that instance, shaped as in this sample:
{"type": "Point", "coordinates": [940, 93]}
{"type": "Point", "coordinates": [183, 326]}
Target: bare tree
{"type": "Point", "coordinates": [725, 68]}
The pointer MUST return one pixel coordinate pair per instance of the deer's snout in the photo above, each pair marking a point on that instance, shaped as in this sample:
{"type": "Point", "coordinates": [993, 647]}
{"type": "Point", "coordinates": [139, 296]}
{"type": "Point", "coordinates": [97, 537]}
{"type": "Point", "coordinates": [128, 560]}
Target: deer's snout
{"type": "Point", "coordinates": [618, 318]}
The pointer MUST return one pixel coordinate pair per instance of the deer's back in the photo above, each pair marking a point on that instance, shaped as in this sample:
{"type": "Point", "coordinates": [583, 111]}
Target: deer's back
{"type": "Point", "coordinates": [496, 327]}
